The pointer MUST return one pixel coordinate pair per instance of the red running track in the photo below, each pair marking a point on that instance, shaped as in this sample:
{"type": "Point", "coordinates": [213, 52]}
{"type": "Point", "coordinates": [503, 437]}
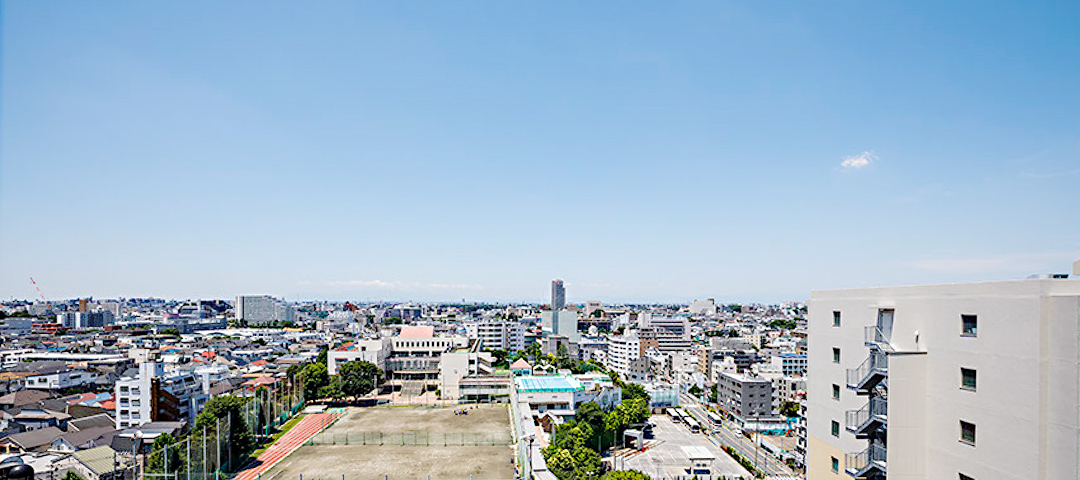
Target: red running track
{"type": "Point", "coordinates": [288, 443]}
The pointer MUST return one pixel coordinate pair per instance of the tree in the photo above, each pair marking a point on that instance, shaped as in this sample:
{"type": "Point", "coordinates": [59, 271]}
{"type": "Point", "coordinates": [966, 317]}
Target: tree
{"type": "Point", "coordinates": [171, 331]}
{"type": "Point", "coordinates": [332, 389]}
{"type": "Point", "coordinates": [71, 475]}
{"type": "Point", "coordinates": [165, 456]}
{"type": "Point", "coordinates": [625, 475]}
{"type": "Point", "coordinates": [501, 358]}
{"type": "Point", "coordinates": [534, 351]}
{"type": "Point", "coordinates": [695, 391]}
{"type": "Point", "coordinates": [597, 313]}
{"type": "Point", "coordinates": [322, 356]}
{"type": "Point", "coordinates": [633, 390]}
{"type": "Point", "coordinates": [227, 410]}
{"type": "Point", "coordinates": [591, 414]}
{"type": "Point", "coordinates": [315, 377]}
{"type": "Point", "coordinates": [789, 409]}
{"type": "Point", "coordinates": [358, 377]}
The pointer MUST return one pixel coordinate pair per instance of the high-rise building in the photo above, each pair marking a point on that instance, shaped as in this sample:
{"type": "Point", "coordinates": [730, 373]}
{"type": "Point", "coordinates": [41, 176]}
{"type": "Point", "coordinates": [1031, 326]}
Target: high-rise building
{"type": "Point", "coordinates": [561, 322]}
{"type": "Point", "coordinates": [558, 295]}
{"type": "Point", "coordinates": [961, 381]}
{"type": "Point", "coordinates": [262, 309]}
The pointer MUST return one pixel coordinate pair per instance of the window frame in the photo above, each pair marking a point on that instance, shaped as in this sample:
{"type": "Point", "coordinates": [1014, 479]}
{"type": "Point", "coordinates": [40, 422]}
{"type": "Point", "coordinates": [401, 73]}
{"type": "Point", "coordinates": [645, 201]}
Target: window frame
{"type": "Point", "coordinates": [836, 355]}
{"type": "Point", "coordinates": [835, 428]}
{"type": "Point", "coordinates": [836, 318]}
{"type": "Point", "coordinates": [835, 464]}
{"type": "Point", "coordinates": [836, 392]}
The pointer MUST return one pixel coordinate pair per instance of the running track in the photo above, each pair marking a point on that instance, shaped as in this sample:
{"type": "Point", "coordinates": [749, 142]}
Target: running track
{"type": "Point", "coordinates": [288, 443]}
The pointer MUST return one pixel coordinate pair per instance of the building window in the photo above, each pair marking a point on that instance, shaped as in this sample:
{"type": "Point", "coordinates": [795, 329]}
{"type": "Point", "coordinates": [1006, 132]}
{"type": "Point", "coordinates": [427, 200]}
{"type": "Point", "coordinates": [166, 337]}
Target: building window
{"type": "Point", "coordinates": [967, 379]}
{"type": "Point", "coordinates": [836, 429]}
{"type": "Point", "coordinates": [969, 325]}
{"type": "Point", "coordinates": [835, 355]}
{"type": "Point", "coordinates": [967, 432]}
{"type": "Point", "coordinates": [836, 392]}
{"type": "Point", "coordinates": [965, 477]}
{"type": "Point", "coordinates": [835, 465]}
{"type": "Point", "coordinates": [836, 318]}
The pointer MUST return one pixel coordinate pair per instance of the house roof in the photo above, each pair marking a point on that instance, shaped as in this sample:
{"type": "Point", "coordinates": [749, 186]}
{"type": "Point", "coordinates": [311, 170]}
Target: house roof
{"type": "Point", "coordinates": [99, 420]}
{"type": "Point", "coordinates": [101, 460]}
{"type": "Point", "coordinates": [36, 438]}
{"type": "Point", "coordinates": [82, 437]}
{"type": "Point", "coordinates": [520, 364]}
{"type": "Point", "coordinates": [23, 397]}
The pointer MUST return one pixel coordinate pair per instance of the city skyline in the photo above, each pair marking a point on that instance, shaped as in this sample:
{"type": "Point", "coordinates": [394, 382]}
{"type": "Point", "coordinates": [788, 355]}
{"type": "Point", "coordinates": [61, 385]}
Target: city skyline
{"type": "Point", "coordinates": [368, 151]}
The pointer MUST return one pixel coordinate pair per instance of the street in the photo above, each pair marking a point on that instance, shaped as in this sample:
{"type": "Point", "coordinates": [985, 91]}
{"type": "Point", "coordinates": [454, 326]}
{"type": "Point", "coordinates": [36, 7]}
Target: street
{"type": "Point", "coordinates": [726, 436]}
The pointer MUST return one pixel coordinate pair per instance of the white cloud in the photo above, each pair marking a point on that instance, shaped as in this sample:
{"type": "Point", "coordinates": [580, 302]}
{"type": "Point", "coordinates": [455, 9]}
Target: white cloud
{"type": "Point", "coordinates": [858, 161]}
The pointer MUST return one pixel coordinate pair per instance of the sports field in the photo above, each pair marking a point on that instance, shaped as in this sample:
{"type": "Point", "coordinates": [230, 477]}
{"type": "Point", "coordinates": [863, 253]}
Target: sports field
{"type": "Point", "coordinates": [438, 444]}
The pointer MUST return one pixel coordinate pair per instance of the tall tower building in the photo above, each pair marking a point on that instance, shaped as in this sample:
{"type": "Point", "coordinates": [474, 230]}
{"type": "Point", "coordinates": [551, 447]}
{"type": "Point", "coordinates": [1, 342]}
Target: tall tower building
{"type": "Point", "coordinates": [972, 381]}
{"type": "Point", "coordinates": [558, 295]}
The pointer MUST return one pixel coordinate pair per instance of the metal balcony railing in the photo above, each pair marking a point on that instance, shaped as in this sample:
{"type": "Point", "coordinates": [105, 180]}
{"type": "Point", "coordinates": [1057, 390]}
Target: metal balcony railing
{"type": "Point", "coordinates": [860, 464]}
{"type": "Point", "coordinates": [873, 335]}
{"type": "Point", "coordinates": [874, 412]}
{"type": "Point", "coordinates": [876, 364]}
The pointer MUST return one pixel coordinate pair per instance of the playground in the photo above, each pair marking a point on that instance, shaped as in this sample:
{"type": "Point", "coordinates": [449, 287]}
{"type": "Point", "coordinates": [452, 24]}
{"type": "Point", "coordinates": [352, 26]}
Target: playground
{"type": "Point", "coordinates": [414, 443]}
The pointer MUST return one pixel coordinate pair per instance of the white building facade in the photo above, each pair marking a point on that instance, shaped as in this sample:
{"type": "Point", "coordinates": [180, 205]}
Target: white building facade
{"type": "Point", "coordinates": [964, 381]}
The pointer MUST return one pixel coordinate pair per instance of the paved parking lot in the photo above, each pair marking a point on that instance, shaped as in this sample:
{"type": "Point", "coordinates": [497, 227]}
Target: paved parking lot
{"type": "Point", "coordinates": [664, 457]}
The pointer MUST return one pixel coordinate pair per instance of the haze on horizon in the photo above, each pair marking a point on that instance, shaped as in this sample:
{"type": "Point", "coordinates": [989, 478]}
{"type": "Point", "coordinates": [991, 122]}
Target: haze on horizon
{"type": "Point", "coordinates": [476, 150]}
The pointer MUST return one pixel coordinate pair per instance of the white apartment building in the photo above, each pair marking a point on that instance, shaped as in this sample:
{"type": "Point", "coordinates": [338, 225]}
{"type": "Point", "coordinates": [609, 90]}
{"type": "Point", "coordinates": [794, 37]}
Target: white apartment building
{"type": "Point", "coordinates": [790, 364]}
{"type": "Point", "coordinates": [973, 381]}
{"type": "Point", "coordinates": [156, 396]}
{"type": "Point", "coordinates": [262, 309]}
{"type": "Point", "coordinates": [497, 334]}
{"type": "Point", "coordinates": [622, 351]}
{"type": "Point", "coordinates": [371, 350]}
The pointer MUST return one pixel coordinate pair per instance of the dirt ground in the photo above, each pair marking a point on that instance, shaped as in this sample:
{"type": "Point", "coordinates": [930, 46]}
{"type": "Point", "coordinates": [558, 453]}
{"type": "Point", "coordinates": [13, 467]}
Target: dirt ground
{"type": "Point", "coordinates": [373, 462]}
{"type": "Point", "coordinates": [394, 463]}
{"type": "Point", "coordinates": [484, 418]}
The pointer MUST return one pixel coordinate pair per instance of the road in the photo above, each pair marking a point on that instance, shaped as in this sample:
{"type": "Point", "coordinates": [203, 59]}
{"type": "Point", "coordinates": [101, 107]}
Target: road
{"type": "Point", "coordinates": [726, 436]}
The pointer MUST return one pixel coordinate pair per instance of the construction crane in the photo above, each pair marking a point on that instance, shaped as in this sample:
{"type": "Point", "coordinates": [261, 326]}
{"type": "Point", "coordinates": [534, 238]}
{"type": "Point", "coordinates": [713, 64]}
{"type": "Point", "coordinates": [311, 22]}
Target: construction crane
{"type": "Point", "coordinates": [42, 295]}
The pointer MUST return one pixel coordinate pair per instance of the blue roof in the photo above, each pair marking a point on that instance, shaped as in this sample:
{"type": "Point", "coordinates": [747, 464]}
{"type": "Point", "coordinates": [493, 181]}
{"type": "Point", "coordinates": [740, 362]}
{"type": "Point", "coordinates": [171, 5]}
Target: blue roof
{"type": "Point", "coordinates": [551, 383]}
{"type": "Point", "coordinates": [790, 355]}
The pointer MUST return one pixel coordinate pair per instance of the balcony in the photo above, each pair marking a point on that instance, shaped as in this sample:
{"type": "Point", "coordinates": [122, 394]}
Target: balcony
{"type": "Point", "coordinates": [870, 417]}
{"type": "Point", "coordinates": [868, 464]}
{"type": "Point", "coordinates": [872, 370]}
{"type": "Point", "coordinates": [874, 338]}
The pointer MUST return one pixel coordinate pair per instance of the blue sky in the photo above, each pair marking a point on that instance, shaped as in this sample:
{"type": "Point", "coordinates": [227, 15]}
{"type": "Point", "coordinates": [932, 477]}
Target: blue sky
{"type": "Point", "coordinates": [642, 151]}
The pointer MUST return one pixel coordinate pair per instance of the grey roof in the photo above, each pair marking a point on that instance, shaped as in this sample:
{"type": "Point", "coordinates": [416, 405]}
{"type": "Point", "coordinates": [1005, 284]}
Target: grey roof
{"type": "Point", "coordinates": [36, 438]}
{"type": "Point", "coordinates": [99, 420]}
{"type": "Point", "coordinates": [100, 436]}
{"type": "Point", "coordinates": [23, 397]}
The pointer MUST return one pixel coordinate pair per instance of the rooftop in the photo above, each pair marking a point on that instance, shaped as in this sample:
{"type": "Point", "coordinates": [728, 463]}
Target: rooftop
{"type": "Point", "coordinates": [534, 384]}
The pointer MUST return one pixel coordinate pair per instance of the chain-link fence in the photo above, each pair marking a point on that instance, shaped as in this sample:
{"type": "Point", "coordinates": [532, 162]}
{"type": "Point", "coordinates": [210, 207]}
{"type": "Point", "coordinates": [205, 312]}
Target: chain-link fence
{"type": "Point", "coordinates": [206, 452]}
{"type": "Point", "coordinates": [413, 439]}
